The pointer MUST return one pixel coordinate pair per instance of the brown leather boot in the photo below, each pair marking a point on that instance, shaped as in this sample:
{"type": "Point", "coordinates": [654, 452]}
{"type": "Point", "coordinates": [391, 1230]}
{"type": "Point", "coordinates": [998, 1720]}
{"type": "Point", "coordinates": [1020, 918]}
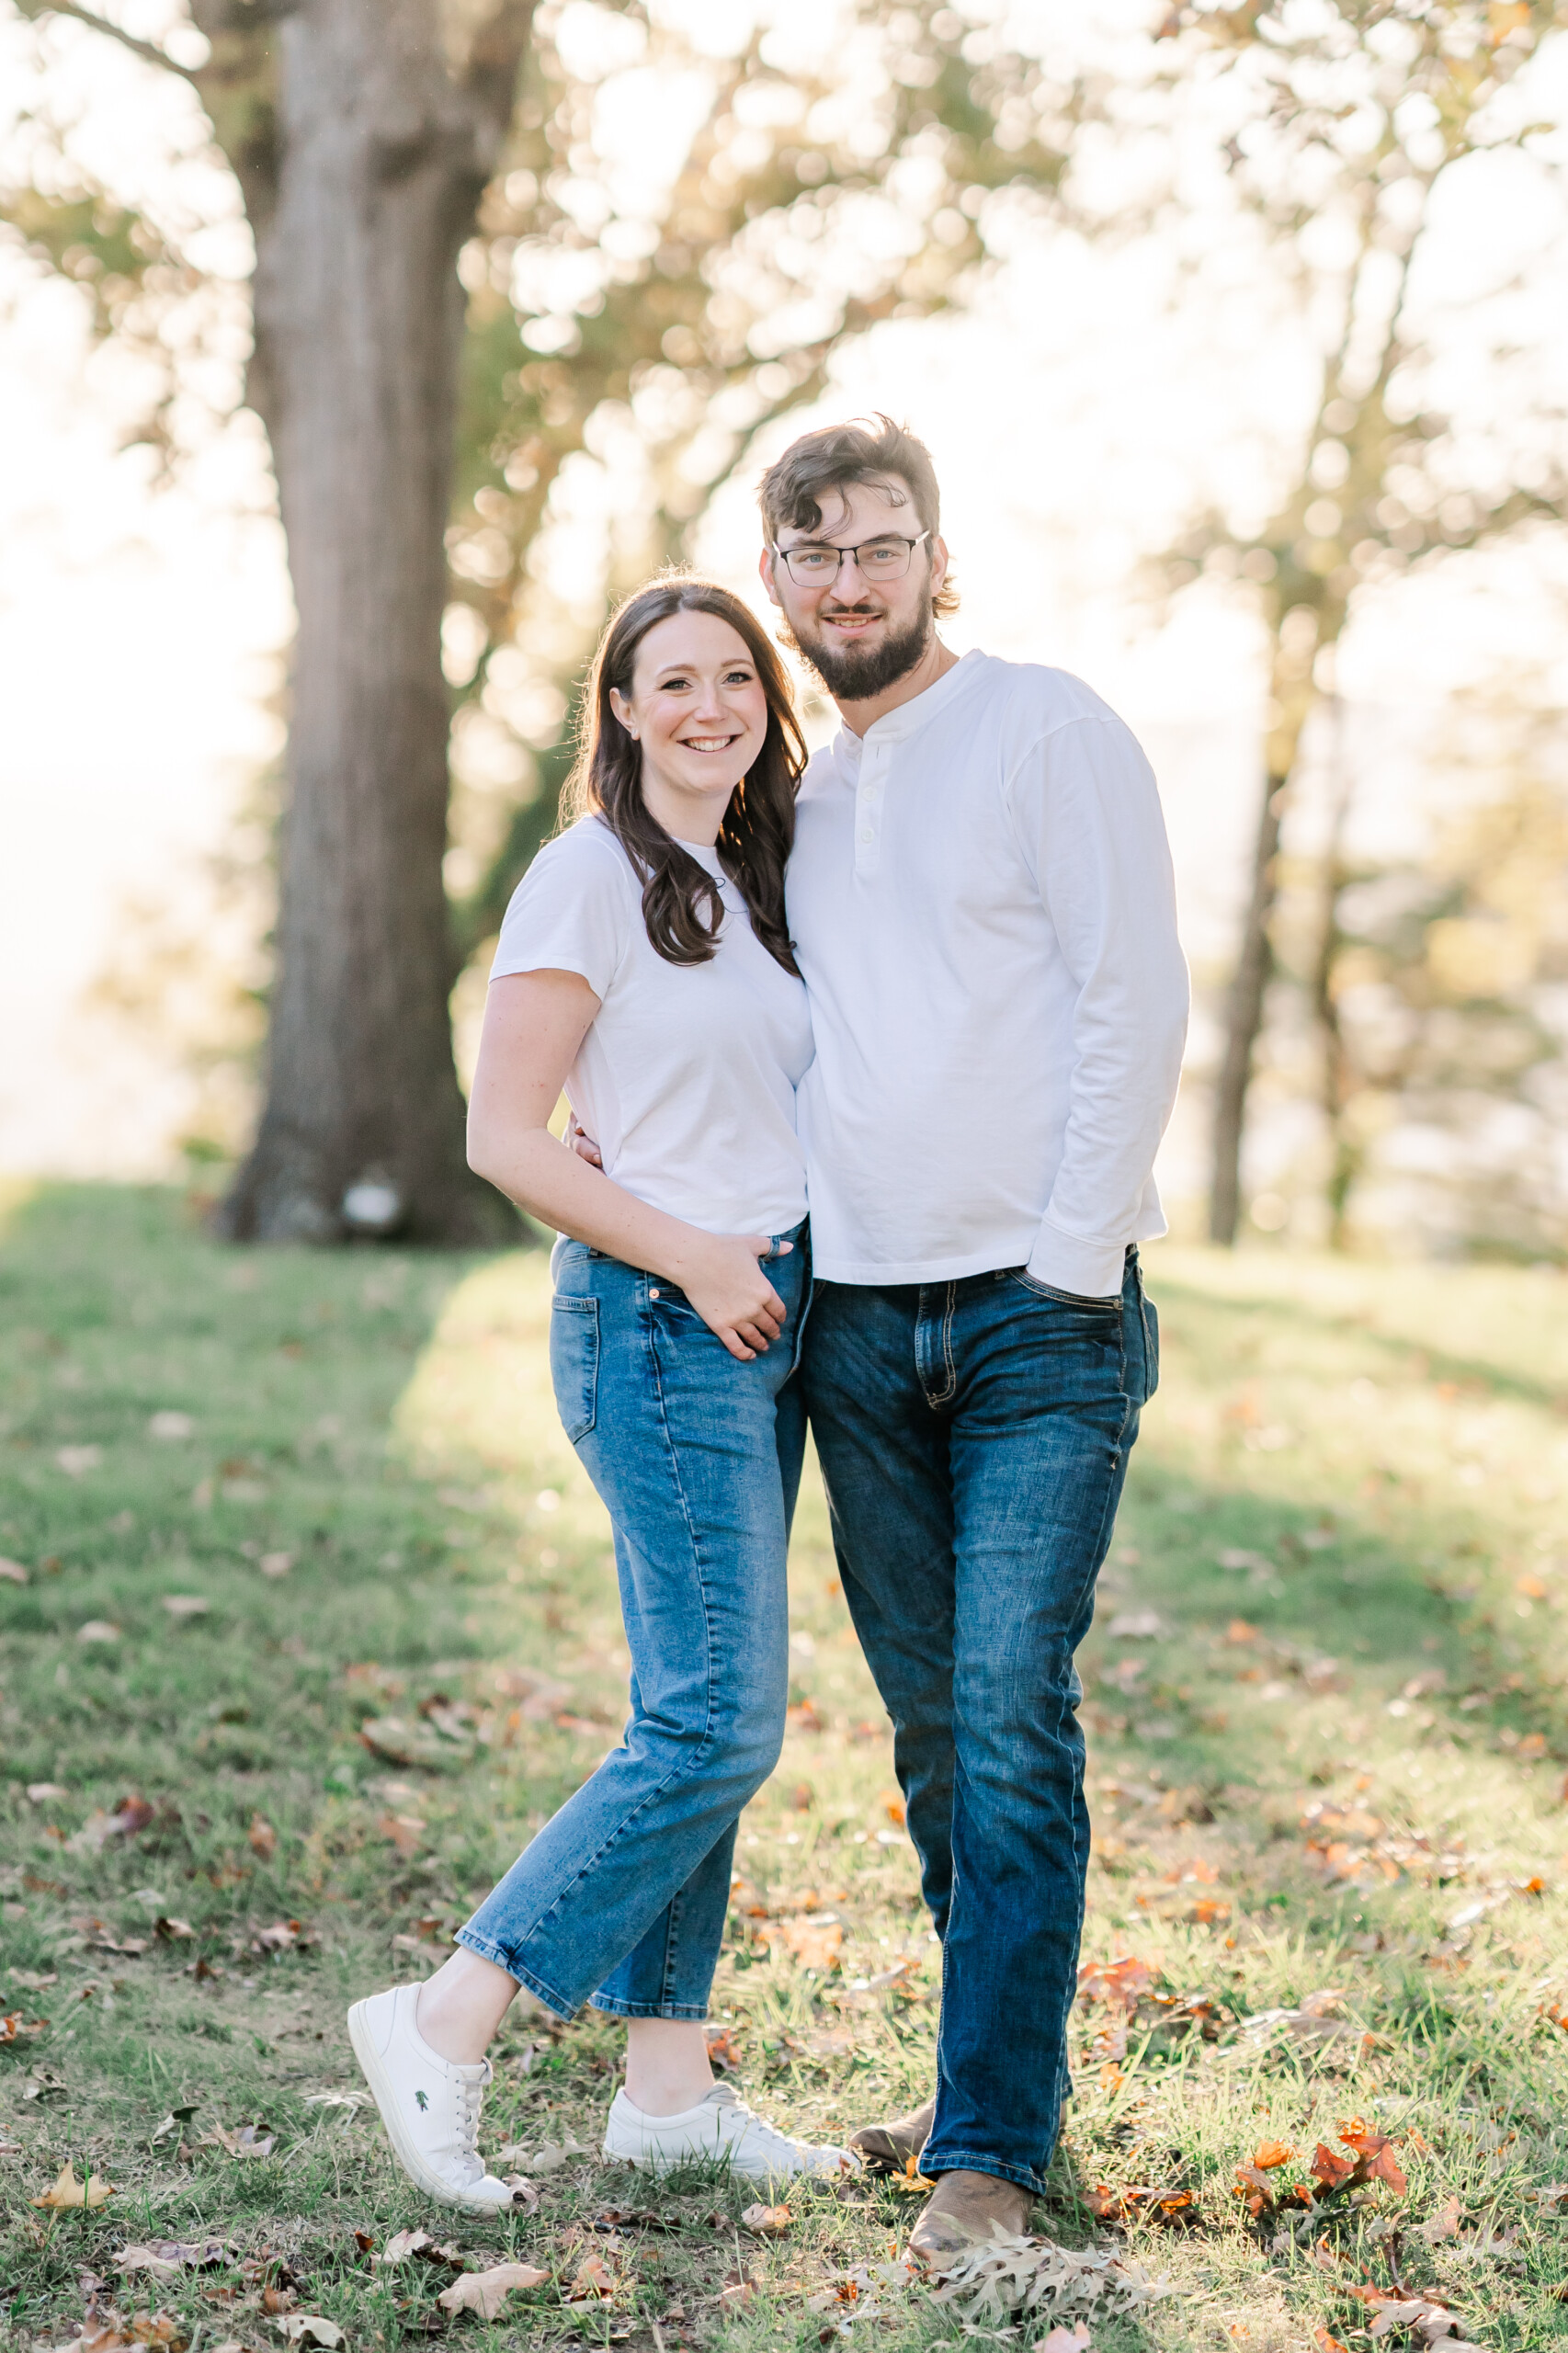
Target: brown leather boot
{"type": "Point", "coordinates": [962, 2212]}
{"type": "Point", "coordinates": [887, 2148]}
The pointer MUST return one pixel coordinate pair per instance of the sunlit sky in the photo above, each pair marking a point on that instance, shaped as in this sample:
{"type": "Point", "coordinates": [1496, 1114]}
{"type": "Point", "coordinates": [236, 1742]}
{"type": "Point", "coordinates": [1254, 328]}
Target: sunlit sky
{"type": "Point", "coordinates": [1084, 403]}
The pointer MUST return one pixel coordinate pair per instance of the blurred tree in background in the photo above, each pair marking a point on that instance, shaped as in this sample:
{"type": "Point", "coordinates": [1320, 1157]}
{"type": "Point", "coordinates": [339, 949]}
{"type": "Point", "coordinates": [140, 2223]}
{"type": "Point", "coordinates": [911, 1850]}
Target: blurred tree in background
{"type": "Point", "coordinates": [1337, 127]}
{"type": "Point", "coordinates": [377, 147]}
{"type": "Point", "coordinates": [1435, 984]}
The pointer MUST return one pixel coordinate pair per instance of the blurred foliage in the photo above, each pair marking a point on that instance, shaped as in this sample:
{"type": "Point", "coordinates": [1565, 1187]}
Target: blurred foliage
{"type": "Point", "coordinates": [677, 321]}
{"type": "Point", "coordinates": [1334, 126]}
{"type": "Point", "coordinates": [1439, 986]}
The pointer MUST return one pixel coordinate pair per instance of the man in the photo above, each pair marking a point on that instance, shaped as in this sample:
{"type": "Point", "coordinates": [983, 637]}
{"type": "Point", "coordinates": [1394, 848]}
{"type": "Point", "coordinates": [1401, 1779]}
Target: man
{"type": "Point", "coordinates": [982, 903]}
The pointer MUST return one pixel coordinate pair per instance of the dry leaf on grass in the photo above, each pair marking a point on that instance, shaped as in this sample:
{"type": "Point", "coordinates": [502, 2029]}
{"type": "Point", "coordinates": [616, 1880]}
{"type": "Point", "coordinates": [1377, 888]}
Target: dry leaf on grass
{"type": "Point", "coordinates": [159, 2329]}
{"type": "Point", "coordinates": [170, 1931]}
{"type": "Point", "coordinates": [1431, 2321]}
{"type": "Point", "coordinates": [1064, 2341]}
{"type": "Point", "coordinates": [261, 1838]}
{"type": "Point", "coordinates": [281, 1936]}
{"type": "Point", "coordinates": [186, 1605]}
{"type": "Point", "coordinates": [98, 1629]}
{"type": "Point", "coordinates": [406, 1832]}
{"type": "Point", "coordinates": [66, 2191]}
{"type": "Point", "coordinates": [485, 2292]}
{"type": "Point", "coordinates": [1443, 2225]}
{"type": "Point", "coordinates": [403, 2244]}
{"type": "Point", "coordinates": [767, 2222]}
{"type": "Point", "coordinates": [13, 1573]}
{"type": "Point", "coordinates": [15, 2028]}
{"type": "Point", "coordinates": [593, 2277]}
{"type": "Point", "coordinates": [404, 1743]}
{"type": "Point", "coordinates": [723, 2051]}
{"type": "Point", "coordinates": [815, 1939]}
{"type": "Point", "coordinates": [166, 2259]}
{"type": "Point", "coordinates": [311, 2329]}
{"type": "Point", "coordinates": [250, 2141]}
{"type": "Point", "coordinates": [1030, 2275]}
{"type": "Point", "coordinates": [1120, 1983]}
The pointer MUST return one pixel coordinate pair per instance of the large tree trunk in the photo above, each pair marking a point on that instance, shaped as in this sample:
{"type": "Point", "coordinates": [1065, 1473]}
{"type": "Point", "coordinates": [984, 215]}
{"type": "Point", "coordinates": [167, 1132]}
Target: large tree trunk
{"type": "Point", "coordinates": [383, 156]}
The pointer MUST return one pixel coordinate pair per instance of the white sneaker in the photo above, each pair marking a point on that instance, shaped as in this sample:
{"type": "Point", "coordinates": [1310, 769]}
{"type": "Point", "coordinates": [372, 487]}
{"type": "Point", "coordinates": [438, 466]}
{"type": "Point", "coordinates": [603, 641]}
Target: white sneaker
{"type": "Point", "coordinates": [722, 2126]}
{"type": "Point", "coordinates": [429, 2105]}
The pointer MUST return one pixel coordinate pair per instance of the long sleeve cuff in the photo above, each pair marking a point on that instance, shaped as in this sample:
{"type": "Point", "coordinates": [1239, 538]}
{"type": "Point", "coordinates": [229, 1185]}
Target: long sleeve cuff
{"type": "Point", "coordinates": [1089, 1269]}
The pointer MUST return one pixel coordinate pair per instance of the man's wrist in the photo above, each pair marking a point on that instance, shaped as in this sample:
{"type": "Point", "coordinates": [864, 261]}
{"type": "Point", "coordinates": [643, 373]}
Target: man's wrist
{"type": "Point", "coordinates": [1067, 1262]}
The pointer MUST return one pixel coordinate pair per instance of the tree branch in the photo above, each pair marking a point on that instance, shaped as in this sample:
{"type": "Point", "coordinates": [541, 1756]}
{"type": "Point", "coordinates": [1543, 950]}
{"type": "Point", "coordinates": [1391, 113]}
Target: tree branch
{"type": "Point", "coordinates": [146, 49]}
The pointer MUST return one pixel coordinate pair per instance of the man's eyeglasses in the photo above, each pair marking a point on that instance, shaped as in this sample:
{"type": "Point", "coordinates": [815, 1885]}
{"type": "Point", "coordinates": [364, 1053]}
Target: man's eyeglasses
{"type": "Point", "coordinates": [815, 564]}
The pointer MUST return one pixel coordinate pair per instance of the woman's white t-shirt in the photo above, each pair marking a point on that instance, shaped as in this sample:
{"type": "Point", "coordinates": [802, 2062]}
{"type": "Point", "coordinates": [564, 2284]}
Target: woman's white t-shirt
{"type": "Point", "coordinates": [687, 1077]}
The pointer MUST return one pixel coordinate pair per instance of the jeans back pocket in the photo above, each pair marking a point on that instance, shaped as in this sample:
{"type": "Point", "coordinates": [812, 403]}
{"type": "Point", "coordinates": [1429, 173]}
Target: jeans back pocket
{"type": "Point", "coordinates": [574, 1361]}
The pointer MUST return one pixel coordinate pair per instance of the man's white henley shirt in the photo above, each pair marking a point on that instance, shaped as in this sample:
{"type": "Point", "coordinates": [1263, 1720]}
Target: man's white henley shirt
{"type": "Point", "coordinates": [982, 906]}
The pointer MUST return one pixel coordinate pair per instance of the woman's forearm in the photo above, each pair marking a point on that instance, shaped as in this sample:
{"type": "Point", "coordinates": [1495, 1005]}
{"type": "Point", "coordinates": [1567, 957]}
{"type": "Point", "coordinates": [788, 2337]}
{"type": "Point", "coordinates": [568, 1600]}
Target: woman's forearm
{"type": "Point", "coordinates": [555, 1186]}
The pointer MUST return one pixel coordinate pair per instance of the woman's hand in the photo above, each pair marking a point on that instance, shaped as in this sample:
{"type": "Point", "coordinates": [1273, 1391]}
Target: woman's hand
{"type": "Point", "coordinates": [582, 1145]}
{"type": "Point", "coordinates": [724, 1283]}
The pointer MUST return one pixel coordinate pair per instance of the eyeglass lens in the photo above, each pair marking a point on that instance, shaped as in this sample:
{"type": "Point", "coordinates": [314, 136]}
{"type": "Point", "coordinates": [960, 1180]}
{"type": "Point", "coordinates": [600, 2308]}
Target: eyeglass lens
{"type": "Point", "coordinates": [878, 560]}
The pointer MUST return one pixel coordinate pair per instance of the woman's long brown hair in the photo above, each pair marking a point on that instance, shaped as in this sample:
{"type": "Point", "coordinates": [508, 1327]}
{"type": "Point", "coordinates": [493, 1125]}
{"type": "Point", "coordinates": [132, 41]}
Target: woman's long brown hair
{"type": "Point", "coordinates": [681, 904]}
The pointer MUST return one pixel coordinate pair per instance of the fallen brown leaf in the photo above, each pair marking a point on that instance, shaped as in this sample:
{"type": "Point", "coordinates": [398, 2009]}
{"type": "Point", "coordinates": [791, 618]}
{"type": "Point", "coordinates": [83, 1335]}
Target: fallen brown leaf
{"type": "Point", "coordinates": [723, 2051]}
{"type": "Point", "coordinates": [66, 2191]}
{"type": "Point", "coordinates": [593, 2277]}
{"type": "Point", "coordinates": [160, 2329]}
{"type": "Point", "coordinates": [767, 2222]}
{"type": "Point", "coordinates": [166, 2259]}
{"type": "Point", "coordinates": [485, 2292]}
{"type": "Point", "coordinates": [311, 2328]}
{"type": "Point", "coordinates": [261, 1838]}
{"type": "Point", "coordinates": [1444, 2224]}
{"type": "Point", "coordinates": [815, 1938]}
{"type": "Point", "coordinates": [406, 1832]}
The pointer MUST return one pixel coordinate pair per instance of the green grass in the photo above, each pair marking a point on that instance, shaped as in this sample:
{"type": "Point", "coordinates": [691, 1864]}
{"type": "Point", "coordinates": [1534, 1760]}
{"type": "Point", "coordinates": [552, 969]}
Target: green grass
{"type": "Point", "coordinates": [1383, 1455]}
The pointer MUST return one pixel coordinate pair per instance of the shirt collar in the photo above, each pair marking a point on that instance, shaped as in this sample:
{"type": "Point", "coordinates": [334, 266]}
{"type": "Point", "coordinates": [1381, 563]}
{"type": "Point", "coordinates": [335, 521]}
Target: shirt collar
{"type": "Point", "coordinates": [908, 717]}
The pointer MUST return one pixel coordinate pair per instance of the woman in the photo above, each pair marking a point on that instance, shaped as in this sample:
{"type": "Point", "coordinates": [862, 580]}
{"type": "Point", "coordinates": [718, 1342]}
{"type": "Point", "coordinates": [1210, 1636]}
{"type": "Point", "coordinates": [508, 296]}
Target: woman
{"type": "Point", "coordinates": [645, 964]}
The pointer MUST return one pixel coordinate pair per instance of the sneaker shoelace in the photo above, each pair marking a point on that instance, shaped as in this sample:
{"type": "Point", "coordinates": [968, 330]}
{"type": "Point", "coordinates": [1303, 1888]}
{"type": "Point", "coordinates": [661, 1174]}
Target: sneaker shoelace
{"type": "Point", "coordinates": [747, 2122]}
{"type": "Point", "coordinates": [471, 2095]}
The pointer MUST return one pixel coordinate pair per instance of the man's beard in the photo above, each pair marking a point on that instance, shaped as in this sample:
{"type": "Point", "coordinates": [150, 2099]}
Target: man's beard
{"type": "Point", "coordinates": [854, 673]}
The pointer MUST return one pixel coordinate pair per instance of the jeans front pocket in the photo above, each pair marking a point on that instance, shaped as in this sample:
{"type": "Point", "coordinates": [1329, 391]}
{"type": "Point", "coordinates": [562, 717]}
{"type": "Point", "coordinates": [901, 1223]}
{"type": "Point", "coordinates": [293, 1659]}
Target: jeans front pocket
{"type": "Point", "coordinates": [574, 1361]}
{"type": "Point", "coordinates": [1151, 1341]}
{"type": "Point", "coordinates": [1037, 1290]}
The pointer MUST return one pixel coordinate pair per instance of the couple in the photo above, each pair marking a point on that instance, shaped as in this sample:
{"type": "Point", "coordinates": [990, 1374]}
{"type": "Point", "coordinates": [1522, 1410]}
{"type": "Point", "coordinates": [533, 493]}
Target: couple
{"type": "Point", "coordinates": [929, 988]}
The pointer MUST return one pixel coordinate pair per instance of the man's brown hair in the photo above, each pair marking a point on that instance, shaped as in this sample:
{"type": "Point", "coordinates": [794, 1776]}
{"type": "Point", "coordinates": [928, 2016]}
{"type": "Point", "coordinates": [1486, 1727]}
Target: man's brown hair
{"type": "Point", "coordinates": [872, 450]}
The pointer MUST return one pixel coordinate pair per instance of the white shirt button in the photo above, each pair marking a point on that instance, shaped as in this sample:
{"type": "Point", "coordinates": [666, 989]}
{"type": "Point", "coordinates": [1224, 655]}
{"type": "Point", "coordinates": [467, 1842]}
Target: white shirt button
{"type": "Point", "coordinates": [866, 834]}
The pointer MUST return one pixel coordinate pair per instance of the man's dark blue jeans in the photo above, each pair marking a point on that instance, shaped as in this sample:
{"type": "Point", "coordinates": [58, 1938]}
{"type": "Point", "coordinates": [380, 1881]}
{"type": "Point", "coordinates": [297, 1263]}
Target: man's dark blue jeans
{"type": "Point", "coordinates": [974, 1437]}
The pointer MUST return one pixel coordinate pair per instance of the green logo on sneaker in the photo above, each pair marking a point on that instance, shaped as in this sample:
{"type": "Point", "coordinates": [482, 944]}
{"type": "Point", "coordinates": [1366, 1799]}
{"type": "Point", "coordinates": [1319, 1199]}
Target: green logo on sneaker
{"type": "Point", "coordinates": [421, 2100]}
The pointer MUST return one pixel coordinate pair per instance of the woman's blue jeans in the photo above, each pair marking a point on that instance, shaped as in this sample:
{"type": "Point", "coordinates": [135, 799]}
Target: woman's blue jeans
{"type": "Point", "coordinates": [621, 1898]}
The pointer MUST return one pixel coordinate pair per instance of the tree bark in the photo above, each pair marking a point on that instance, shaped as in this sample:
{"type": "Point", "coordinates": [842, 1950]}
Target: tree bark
{"type": "Point", "coordinates": [382, 156]}
{"type": "Point", "coordinates": [1243, 1019]}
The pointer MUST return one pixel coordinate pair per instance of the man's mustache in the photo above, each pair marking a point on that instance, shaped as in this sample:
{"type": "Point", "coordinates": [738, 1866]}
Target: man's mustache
{"type": "Point", "coordinates": [870, 612]}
